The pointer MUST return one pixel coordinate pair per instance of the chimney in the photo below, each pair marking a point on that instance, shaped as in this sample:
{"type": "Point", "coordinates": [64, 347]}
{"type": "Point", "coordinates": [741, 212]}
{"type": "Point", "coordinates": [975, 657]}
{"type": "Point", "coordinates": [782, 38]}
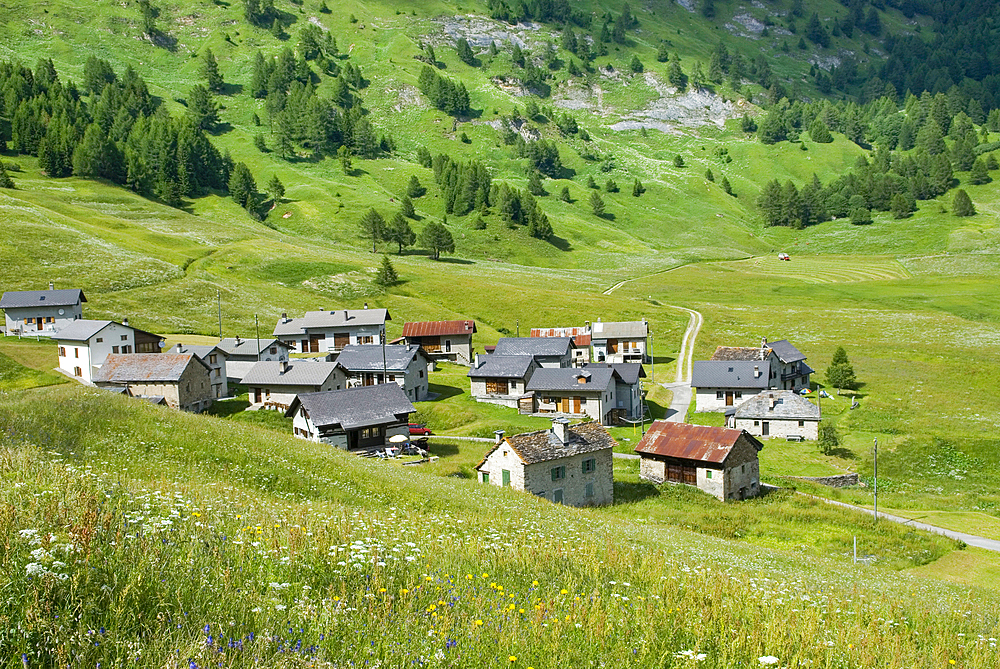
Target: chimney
{"type": "Point", "coordinates": [499, 436]}
{"type": "Point", "coordinates": [283, 366]}
{"type": "Point", "coordinates": [52, 286]}
{"type": "Point", "coordinates": [238, 340]}
{"type": "Point", "coordinates": [756, 372]}
{"type": "Point", "coordinates": [180, 347]}
{"type": "Point", "coordinates": [366, 305]}
{"type": "Point", "coordinates": [125, 321]}
{"type": "Point", "coordinates": [560, 428]}
{"type": "Point", "coordinates": [284, 316]}
{"type": "Point", "coordinates": [345, 314]}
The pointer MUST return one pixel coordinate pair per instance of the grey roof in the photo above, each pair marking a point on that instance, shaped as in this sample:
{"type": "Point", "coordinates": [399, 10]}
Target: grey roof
{"type": "Point", "coordinates": [13, 299]}
{"type": "Point", "coordinates": [741, 353]}
{"type": "Point", "coordinates": [536, 346]}
{"type": "Point", "coordinates": [144, 367]}
{"type": "Point", "coordinates": [238, 369]}
{"type": "Point", "coordinates": [594, 380]}
{"type": "Point", "coordinates": [785, 351]}
{"type": "Point", "coordinates": [81, 329]}
{"type": "Point", "coordinates": [542, 446]}
{"type": "Point", "coordinates": [339, 318]}
{"type": "Point", "coordinates": [628, 372]}
{"type": "Point", "coordinates": [495, 366]}
{"type": "Point", "coordinates": [202, 351]}
{"type": "Point", "coordinates": [787, 404]}
{"type": "Point", "coordinates": [355, 407]}
{"type": "Point", "coordinates": [368, 358]}
{"type": "Point", "coordinates": [729, 374]}
{"type": "Point", "coordinates": [298, 373]}
{"type": "Point", "coordinates": [619, 330]}
{"type": "Point", "coordinates": [231, 346]}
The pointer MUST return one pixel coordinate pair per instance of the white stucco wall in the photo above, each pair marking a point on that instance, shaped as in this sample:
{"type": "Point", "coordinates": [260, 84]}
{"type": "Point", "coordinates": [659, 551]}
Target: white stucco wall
{"type": "Point", "coordinates": [706, 399]}
{"type": "Point", "coordinates": [14, 318]}
{"type": "Point", "coordinates": [90, 355]}
{"type": "Point", "coordinates": [779, 428]}
{"type": "Point", "coordinates": [515, 388]}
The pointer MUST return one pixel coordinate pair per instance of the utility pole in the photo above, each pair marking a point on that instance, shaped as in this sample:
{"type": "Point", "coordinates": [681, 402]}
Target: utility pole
{"type": "Point", "coordinates": [385, 371]}
{"type": "Point", "coordinates": [875, 479]}
{"type": "Point", "coordinates": [649, 352]}
{"type": "Point", "coordinates": [218, 294]}
{"type": "Point", "coordinates": [256, 327]}
{"type": "Point", "coordinates": [517, 328]}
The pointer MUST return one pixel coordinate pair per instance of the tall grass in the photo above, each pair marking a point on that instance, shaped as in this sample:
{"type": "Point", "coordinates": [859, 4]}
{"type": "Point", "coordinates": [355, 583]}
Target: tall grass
{"type": "Point", "coordinates": [136, 536]}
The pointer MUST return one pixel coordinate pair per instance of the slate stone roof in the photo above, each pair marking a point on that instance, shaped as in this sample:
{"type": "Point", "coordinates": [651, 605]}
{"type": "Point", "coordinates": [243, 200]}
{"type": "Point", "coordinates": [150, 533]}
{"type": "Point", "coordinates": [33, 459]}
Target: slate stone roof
{"type": "Point", "coordinates": [597, 379]}
{"type": "Point", "coordinates": [298, 373]}
{"type": "Point", "coordinates": [231, 346]}
{"type": "Point", "coordinates": [729, 374]}
{"type": "Point", "coordinates": [691, 442]}
{"type": "Point", "coordinates": [438, 328]}
{"type": "Point", "coordinates": [628, 372]}
{"type": "Point", "coordinates": [740, 353]}
{"type": "Point", "coordinates": [342, 318]}
{"type": "Point", "coordinates": [81, 329]}
{"type": "Point", "coordinates": [145, 367]}
{"type": "Point", "coordinates": [785, 351]}
{"type": "Point", "coordinates": [620, 330]}
{"type": "Point", "coordinates": [355, 407]}
{"type": "Point", "coordinates": [368, 358]}
{"type": "Point", "coordinates": [66, 297]}
{"type": "Point", "coordinates": [778, 405]}
{"type": "Point", "coordinates": [542, 446]}
{"type": "Point", "coordinates": [496, 366]}
{"type": "Point", "coordinates": [202, 351]}
{"type": "Point", "coordinates": [536, 346]}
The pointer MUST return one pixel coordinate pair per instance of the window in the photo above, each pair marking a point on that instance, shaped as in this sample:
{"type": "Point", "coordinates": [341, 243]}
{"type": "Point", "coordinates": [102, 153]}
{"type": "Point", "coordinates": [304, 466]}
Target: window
{"type": "Point", "coordinates": [589, 465]}
{"type": "Point", "coordinates": [557, 496]}
{"type": "Point", "coordinates": [447, 346]}
{"type": "Point", "coordinates": [77, 371]}
{"type": "Point", "coordinates": [124, 337]}
{"type": "Point", "coordinates": [421, 373]}
{"type": "Point", "coordinates": [739, 395]}
{"type": "Point", "coordinates": [371, 432]}
{"type": "Point", "coordinates": [590, 490]}
{"type": "Point", "coordinates": [367, 339]}
{"type": "Point", "coordinates": [802, 423]}
{"type": "Point", "coordinates": [708, 473]}
{"type": "Point", "coordinates": [756, 423]}
{"type": "Point", "coordinates": [62, 351]}
{"type": "Point", "coordinates": [558, 473]}
{"type": "Point", "coordinates": [496, 387]}
{"type": "Point", "coordinates": [212, 358]}
{"type": "Point", "coordinates": [274, 350]}
{"type": "Point", "coordinates": [100, 340]}
{"type": "Point", "coordinates": [392, 377]}
{"type": "Point", "coordinates": [486, 477]}
{"type": "Point", "coordinates": [719, 395]}
{"type": "Point", "coordinates": [114, 349]}
{"type": "Point", "coordinates": [76, 353]}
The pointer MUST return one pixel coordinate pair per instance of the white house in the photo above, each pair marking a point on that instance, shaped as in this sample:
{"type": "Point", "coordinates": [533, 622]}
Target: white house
{"type": "Point", "coordinates": [84, 344]}
{"type": "Point", "coordinates": [776, 413]}
{"type": "Point", "coordinates": [547, 351]}
{"type": "Point", "coordinates": [626, 341]}
{"type": "Point", "coordinates": [274, 384]}
{"type": "Point", "coordinates": [580, 337]}
{"type": "Point", "coordinates": [718, 460]}
{"type": "Point", "coordinates": [42, 312]}
{"type": "Point", "coordinates": [628, 398]}
{"type": "Point", "coordinates": [735, 373]}
{"type": "Point", "coordinates": [570, 465]}
{"type": "Point", "coordinates": [406, 366]}
{"type": "Point", "coordinates": [330, 331]}
{"type": "Point", "coordinates": [360, 418]}
{"type": "Point", "coordinates": [442, 340]}
{"type": "Point", "coordinates": [242, 354]}
{"type": "Point", "coordinates": [572, 392]}
{"type": "Point", "coordinates": [215, 358]}
{"type": "Point", "coordinates": [501, 379]}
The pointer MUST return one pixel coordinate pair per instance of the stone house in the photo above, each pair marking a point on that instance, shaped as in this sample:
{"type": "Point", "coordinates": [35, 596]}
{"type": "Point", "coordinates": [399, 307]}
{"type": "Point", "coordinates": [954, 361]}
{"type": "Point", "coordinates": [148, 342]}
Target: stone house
{"type": "Point", "coordinates": [501, 379]}
{"type": "Point", "coordinates": [626, 341]}
{"type": "Point", "coordinates": [442, 340]}
{"type": "Point", "coordinates": [406, 366]}
{"type": "Point", "coordinates": [736, 372]}
{"type": "Point", "coordinates": [182, 379]}
{"type": "Point", "coordinates": [274, 384]}
{"type": "Point", "coordinates": [776, 413]}
{"type": "Point", "coordinates": [41, 312]}
{"type": "Point", "coordinates": [548, 352]}
{"type": "Point", "coordinates": [720, 461]}
{"type": "Point", "coordinates": [362, 418]}
{"type": "Point", "coordinates": [216, 359]}
{"type": "Point", "coordinates": [569, 465]}
{"type": "Point", "coordinates": [330, 331]}
{"type": "Point", "coordinates": [580, 337]}
{"type": "Point", "coordinates": [572, 392]}
{"type": "Point", "coordinates": [83, 345]}
{"type": "Point", "coordinates": [628, 398]}
{"type": "Point", "coordinates": [242, 354]}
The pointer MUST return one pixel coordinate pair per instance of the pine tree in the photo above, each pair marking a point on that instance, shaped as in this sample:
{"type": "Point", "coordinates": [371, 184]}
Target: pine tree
{"type": "Point", "coordinates": [260, 143]}
{"type": "Point", "coordinates": [242, 187]}
{"type": "Point", "coordinates": [276, 189]}
{"type": "Point", "coordinates": [386, 275]}
{"type": "Point", "coordinates": [901, 205]}
{"type": "Point", "coordinates": [465, 52]}
{"type": "Point", "coordinates": [413, 188]}
{"type": "Point", "coordinates": [662, 55]}
{"type": "Point", "coordinates": [210, 69]}
{"type": "Point", "coordinates": [675, 74]}
{"type": "Point", "coordinates": [819, 132]}
{"type": "Point", "coordinates": [591, 183]}
{"type": "Point", "coordinates": [424, 157]}
{"type": "Point", "coordinates": [991, 162]}
{"type": "Point", "coordinates": [635, 65]}
{"type": "Point", "coordinates": [5, 180]}
{"type": "Point", "coordinates": [202, 109]}
{"type": "Point", "coordinates": [979, 174]}
{"type": "Point", "coordinates": [726, 186]}
{"type": "Point", "coordinates": [372, 226]}
{"type": "Point", "coordinates": [840, 373]}
{"type": "Point", "coordinates": [907, 135]}
{"type": "Point", "coordinates": [596, 204]}
{"type": "Point", "coordinates": [638, 189]}
{"type": "Point", "coordinates": [678, 160]}
{"type": "Point", "coordinates": [610, 186]}
{"type": "Point", "coordinates": [535, 186]}
{"type": "Point", "coordinates": [406, 207]}
{"type": "Point", "coordinates": [931, 138]}
{"type": "Point", "coordinates": [962, 204]}
{"type": "Point", "coordinates": [437, 239]}
{"type": "Point", "coordinates": [399, 232]}
{"type": "Point", "coordinates": [564, 194]}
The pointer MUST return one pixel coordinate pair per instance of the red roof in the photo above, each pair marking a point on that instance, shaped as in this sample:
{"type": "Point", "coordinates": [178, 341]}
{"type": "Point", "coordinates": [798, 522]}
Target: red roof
{"type": "Point", "coordinates": [438, 328]}
{"type": "Point", "coordinates": [689, 442]}
{"type": "Point", "coordinates": [580, 336]}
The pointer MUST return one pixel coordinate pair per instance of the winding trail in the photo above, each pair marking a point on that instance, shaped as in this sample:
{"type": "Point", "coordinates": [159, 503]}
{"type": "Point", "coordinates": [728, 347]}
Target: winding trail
{"type": "Point", "coordinates": [681, 387]}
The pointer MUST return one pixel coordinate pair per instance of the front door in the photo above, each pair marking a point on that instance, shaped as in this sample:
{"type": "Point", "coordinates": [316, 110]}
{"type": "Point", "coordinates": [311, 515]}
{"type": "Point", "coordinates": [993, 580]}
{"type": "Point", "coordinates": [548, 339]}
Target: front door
{"type": "Point", "coordinates": [256, 396]}
{"type": "Point", "coordinates": [765, 428]}
{"type": "Point", "coordinates": [576, 405]}
{"type": "Point", "coordinates": [505, 476]}
{"type": "Point", "coordinates": [729, 399]}
{"type": "Point", "coordinates": [612, 346]}
{"type": "Point", "coordinates": [565, 405]}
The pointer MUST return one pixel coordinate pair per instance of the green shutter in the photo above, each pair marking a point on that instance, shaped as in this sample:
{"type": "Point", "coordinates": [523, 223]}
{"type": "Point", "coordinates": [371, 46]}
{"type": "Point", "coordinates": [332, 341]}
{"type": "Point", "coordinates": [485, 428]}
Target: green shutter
{"type": "Point", "coordinates": [506, 477]}
{"type": "Point", "coordinates": [486, 477]}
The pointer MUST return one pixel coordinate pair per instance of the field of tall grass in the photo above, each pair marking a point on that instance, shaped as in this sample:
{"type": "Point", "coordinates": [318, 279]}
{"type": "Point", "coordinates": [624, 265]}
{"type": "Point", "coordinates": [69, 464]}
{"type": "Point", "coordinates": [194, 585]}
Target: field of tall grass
{"type": "Point", "coordinates": [139, 536]}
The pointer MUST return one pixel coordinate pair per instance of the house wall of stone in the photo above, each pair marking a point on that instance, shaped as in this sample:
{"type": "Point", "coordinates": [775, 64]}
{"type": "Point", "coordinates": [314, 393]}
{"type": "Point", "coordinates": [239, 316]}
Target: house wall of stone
{"type": "Point", "coordinates": [706, 399]}
{"type": "Point", "coordinates": [515, 388]}
{"type": "Point", "coordinates": [742, 471]}
{"type": "Point", "coordinates": [538, 479]}
{"type": "Point", "coordinates": [779, 427]}
{"type": "Point", "coordinates": [504, 457]}
{"type": "Point", "coordinates": [652, 469]}
{"type": "Point", "coordinates": [194, 389]}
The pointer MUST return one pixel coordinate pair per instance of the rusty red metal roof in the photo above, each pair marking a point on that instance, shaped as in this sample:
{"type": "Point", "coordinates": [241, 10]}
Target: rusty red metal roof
{"type": "Point", "coordinates": [580, 336]}
{"type": "Point", "coordinates": [438, 328]}
{"type": "Point", "coordinates": [689, 442]}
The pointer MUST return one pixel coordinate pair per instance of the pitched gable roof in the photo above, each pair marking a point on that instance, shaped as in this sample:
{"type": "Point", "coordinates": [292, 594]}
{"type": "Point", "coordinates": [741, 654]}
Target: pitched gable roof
{"type": "Point", "coordinates": [241, 346]}
{"type": "Point", "coordinates": [495, 366]}
{"type": "Point", "coordinates": [778, 404]}
{"type": "Point", "coordinates": [331, 319]}
{"type": "Point", "coordinates": [200, 350]}
{"type": "Point", "coordinates": [81, 329]}
{"type": "Point", "coordinates": [67, 297]}
{"type": "Point", "coordinates": [628, 372]}
{"type": "Point", "coordinates": [368, 358]}
{"type": "Point", "coordinates": [299, 372]}
{"type": "Point", "coordinates": [785, 351]}
{"type": "Point", "coordinates": [730, 374]}
{"type": "Point", "coordinates": [145, 367]}
{"type": "Point", "coordinates": [537, 346]}
{"type": "Point", "coordinates": [740, 353]}
{"type": "Point", "coordinates": [542, 446]}
{"type": "Point", "coordinates": [619, 330]}
{"type": "Point", "coordinates": [355, 407]}
{"type": "Point", "coordinates": [594, 380]}
{"type": "Point", "coordinates": [438, 328]}
{"type": "Point", "coordinates": [691, 442]}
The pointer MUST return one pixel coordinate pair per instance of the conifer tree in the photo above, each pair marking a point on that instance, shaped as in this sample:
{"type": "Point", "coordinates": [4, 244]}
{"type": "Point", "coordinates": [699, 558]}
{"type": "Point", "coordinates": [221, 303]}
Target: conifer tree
{"type": "Point", "coordinates": [638, 189]}
{"type": "Point", "coordinates": [372, 226]}
{"type": "Point", "coordinates": [5, 180]}
{"type": "Point", "coordinates": [678, 160]}
{"type": "Point", "coordinates": [709, 175]}
{"type": "Point", "coordinates": [726, 186]}
{"type": "Point", "coordinates": [610, 186]}
{"type": "Point", "coordinates": [535, 186]}
{"type": "Point", "coordinates": [564, 194]}
{"type": "Point", "coordinates": [210, 69]}
{"type": "Point", "coordinates": [398, 232]}
{"type": "Point", "coordinates": [979, 174]}
{"type": "Point", "coordinates": [591, 183]}
{"type": "Point", "coordinates": [437, 238]}
{"type": "Point", "coordinates": [819, 132]}
{"type": "Point", "coordinates": [901, 205]}
{"type": "Point", "coordinates": [991, 162]}
{"type": "Point", "coordinates": [276, 189]}
{"type": "Point", "coordinates": [406, 207]}
{"type": "Point", "coordinates": [202, 109]}
{"type": "Point", "coordinates": [386, 275]}
{"type": "Point", "coordinates": [413, 188]}
{"type": "Point", "coordinates": [242, 187]}
{"type": "Point", "coordinates": [840, 373]}
{"type": "Point", "coordinates": [596, 204]}
{"type": "Point", "coordinates": [962, 204]}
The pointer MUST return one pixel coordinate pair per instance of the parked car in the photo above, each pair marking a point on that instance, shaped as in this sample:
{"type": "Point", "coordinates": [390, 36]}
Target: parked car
{"type": "Point", "coordinates": [419, 429]}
